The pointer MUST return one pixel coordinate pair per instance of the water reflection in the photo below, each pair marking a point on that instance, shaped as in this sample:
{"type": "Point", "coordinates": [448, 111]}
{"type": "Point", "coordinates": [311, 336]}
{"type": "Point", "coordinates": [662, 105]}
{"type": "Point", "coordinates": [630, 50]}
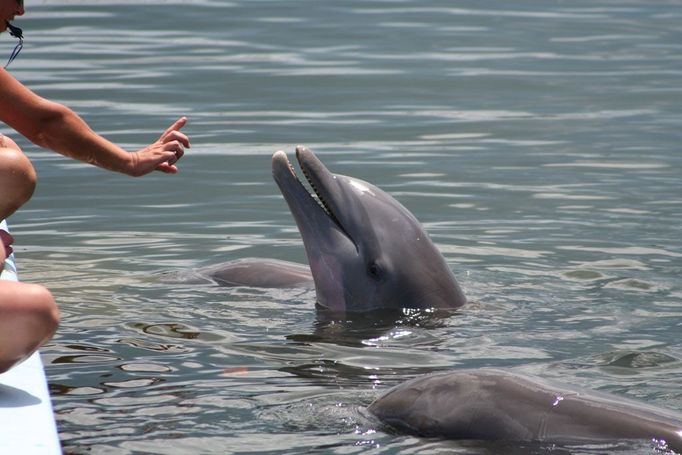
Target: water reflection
{"type": "Point", "coordinates": [370, 327]}
{"type": "Point", "coordinates": [542, 157]}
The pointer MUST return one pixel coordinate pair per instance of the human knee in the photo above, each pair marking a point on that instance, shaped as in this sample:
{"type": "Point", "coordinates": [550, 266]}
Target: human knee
{"type": "Point", "coordinates": [28, 319]}
{"type": "Point", "coordinates": [49, 311]}
{"type": "Point", "coordinates": [18, 178]}
{"type": "Point", "coordinates": [44, 308]}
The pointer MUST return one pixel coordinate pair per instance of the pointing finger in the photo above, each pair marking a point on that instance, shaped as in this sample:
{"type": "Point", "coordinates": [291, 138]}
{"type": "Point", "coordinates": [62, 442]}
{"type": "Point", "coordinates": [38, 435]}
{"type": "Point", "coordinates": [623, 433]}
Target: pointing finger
{"type": "Point", "coordinates": [179, 123]}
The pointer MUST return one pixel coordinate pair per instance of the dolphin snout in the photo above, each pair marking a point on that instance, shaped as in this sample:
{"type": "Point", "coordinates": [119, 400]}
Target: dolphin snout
{"type": "Point", "coordinates": [278, 157]}
{"type": "Point", "coordinates": [281, 165]}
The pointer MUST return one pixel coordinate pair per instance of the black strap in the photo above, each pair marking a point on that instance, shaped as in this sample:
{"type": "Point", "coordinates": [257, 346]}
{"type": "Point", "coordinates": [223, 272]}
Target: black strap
{"type": "Point", "coordinates": [17, 33]}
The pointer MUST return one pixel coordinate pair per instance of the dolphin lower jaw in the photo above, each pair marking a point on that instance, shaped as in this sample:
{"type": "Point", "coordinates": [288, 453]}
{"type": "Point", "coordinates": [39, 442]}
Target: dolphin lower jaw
{"type": "Point", "coordinates": [303, 203]}
{"type": "Point", "coordinates": [330, 295]}
{"type": "Point", "coordinates": [324, 237]}
{"type": "Point", "coordinates": [329, 261]}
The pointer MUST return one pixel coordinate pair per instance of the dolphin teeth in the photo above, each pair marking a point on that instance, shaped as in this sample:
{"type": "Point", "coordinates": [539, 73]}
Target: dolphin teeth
{"type": "Point", "coordinates": [291, 168]}
{"type": "Point", "coordinates": [318, 197]}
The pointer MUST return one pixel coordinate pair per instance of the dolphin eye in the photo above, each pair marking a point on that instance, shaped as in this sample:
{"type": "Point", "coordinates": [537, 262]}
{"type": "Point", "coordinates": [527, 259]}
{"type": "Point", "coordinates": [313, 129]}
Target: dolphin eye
{"type": "Point", "coordinates": [374, 270]}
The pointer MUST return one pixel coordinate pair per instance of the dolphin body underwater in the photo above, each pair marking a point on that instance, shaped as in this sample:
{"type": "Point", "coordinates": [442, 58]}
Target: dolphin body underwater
{"type": "Point", "coordinates": [367, 252]}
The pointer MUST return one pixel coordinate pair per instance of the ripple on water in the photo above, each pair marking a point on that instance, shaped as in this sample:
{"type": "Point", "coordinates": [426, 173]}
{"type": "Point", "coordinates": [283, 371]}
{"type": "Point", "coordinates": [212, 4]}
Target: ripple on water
{"type": "Point", "coordinates": [146, 367]}
{"type": "Point", "coordinates": [505, 130]}
{"type": "Point", "coordinates": [635, 359]}
{"type": "Point", "coordinates": [635, 285]}
{"type": "Point", "coordinates": [584, 275]}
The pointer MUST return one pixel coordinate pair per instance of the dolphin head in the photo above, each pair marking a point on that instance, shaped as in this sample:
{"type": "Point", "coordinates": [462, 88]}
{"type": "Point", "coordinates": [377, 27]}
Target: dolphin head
{"type": "Point", "coordinates": [366, 251]}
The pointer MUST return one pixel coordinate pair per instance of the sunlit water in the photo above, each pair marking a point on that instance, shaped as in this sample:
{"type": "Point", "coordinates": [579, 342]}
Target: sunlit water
{"type": "Point", "coordinates": [538, 142]}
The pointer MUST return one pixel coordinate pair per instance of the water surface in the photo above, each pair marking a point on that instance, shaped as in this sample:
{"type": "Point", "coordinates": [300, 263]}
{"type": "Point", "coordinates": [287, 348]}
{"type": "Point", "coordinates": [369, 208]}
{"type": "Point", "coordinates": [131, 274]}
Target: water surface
{"type": "Point", "coordinates": [538, 142]}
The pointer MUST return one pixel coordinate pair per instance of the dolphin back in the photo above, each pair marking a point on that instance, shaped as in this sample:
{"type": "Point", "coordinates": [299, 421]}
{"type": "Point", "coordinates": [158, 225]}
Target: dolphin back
{"type": "Point", "coordinates": [249, 272]}
{"type": "Point", "coordinates": [501, 405]}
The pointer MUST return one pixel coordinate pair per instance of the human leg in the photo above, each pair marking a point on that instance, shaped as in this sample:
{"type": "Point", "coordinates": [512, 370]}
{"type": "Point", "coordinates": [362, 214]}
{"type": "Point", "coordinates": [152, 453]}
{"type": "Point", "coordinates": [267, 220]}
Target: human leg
{"type": "Point", "coordinates": [28, 318]}
{"type": "Point", "coordinates": [28, 312]}
{"type": "Point", "coordinates": [17, 177]}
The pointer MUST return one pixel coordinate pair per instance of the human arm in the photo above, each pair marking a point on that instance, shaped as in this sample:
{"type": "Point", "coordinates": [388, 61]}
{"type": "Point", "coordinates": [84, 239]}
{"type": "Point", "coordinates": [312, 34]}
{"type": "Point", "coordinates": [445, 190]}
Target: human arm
{"type": "Point", "coordinates": [54, 126]}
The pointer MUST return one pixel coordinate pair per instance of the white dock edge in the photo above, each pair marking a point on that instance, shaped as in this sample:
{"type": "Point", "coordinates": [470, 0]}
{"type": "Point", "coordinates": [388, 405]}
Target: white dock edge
{"type": "Point", "coordinates": [27, 425]}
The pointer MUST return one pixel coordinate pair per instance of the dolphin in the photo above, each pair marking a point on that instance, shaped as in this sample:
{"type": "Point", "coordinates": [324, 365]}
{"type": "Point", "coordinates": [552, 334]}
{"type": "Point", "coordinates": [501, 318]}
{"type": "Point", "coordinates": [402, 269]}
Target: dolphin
{"type": "Point", "coordinates": [365, 250]}
{"type": "Point", "coordinates": [488, 404]}
{"type": "Point", "coordinates": [252, 272]}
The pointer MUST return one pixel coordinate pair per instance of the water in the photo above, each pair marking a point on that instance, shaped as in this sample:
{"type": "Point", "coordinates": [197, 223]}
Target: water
{"type": "Point", "coordinates": [537, 141]}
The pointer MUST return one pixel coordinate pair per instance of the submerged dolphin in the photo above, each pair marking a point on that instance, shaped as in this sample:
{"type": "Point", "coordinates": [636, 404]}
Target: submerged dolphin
{"type": "Point", "coordinates": [366, 251]}
{"type": "Point", "coordinates": [500, 405]}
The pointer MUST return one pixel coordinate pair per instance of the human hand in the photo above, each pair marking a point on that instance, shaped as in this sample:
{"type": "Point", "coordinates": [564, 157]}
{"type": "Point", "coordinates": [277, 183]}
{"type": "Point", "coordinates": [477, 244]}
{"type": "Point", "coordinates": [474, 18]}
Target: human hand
{"type": "Point", "coordinates": [162, 154]}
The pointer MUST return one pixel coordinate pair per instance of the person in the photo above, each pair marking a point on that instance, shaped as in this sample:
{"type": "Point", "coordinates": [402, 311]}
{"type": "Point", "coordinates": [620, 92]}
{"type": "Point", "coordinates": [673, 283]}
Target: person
{"type": "Point", "coordinates": [28, 317]}
{"type": "Point", "coordinates": [28, 313]}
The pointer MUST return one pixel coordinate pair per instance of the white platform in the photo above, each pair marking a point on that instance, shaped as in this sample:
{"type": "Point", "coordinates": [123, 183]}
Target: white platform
{"type": "Point", "coordinates": [27, 425]}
